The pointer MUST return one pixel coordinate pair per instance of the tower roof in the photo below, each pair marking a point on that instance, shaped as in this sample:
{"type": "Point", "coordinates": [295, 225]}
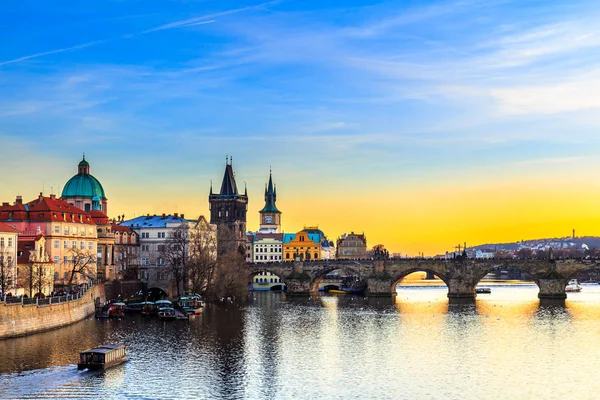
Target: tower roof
{"type": "Point", "coordinates": [270, 198]}
{"type": "Point", "coordinates": [228, 187]}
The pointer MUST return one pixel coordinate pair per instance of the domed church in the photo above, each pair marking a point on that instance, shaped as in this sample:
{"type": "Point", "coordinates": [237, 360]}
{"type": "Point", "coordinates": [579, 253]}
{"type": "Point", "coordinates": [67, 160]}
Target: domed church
{"type": "Point", "coordinates": [84, 191]}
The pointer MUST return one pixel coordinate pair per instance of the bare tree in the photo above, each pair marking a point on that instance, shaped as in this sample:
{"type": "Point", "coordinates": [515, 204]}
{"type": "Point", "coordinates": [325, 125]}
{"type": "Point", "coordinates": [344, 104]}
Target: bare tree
{"type": "Point", "coordinates": [175, 255]}
{"type": "Point", "coordinates": [82, 262]}
{"type": "Point", "coordinates": [230, 277]}
{"type": "Point", "coordinates": [202, 257]}
{"type": "Point", "coordinates": [37, 277]}
{"type": "Point", "coordinates": [7, 269]}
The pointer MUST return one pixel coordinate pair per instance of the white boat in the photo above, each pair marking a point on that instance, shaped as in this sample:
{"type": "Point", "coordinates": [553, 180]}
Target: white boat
{"type": "Point", "coordinates": [573, 286]}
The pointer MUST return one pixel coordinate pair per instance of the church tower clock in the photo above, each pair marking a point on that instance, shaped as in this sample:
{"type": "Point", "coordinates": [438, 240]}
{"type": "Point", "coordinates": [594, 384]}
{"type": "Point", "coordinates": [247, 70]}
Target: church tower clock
{"type": "Point", "coordinates": [270, 216]}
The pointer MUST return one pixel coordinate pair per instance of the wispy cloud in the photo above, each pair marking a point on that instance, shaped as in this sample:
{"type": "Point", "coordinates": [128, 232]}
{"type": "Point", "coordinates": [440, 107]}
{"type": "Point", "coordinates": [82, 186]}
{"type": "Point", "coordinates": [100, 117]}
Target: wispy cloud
{"type": "Point", "coordinates": [47, 53]}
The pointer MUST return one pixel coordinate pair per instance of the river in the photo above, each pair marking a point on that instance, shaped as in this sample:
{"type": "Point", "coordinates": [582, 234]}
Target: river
{"type": "Point", "coordinates": [418, 346]}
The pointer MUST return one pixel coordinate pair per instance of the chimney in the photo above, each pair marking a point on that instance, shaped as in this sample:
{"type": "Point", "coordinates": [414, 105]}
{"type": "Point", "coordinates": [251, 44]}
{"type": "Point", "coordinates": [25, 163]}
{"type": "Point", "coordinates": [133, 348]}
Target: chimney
{"type": "Point", "coordinates": [182, 216]}
{"type": "Point", "coordinates": [163, 216]}
{"type": "Point", "coordinates": [19, 200]}
{"type": "Point", "coordinates": [41, 195]}
{"type": "Point", "coordinates": [53, 196]}
{"type": "Point", "coordinates": [4, 204]}
{"type": "Point", "coordinates": [175, 215]}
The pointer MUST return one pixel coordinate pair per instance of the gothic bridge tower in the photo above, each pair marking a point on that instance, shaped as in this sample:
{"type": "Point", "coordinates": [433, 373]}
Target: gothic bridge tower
{"type": "Point", "coordinates": [228, 207]}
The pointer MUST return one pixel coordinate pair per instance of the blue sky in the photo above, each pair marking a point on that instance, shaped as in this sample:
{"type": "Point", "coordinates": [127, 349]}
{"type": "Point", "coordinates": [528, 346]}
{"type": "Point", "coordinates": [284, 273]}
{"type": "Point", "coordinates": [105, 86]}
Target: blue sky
{"type": "Point", "coordinates": [337, 96]}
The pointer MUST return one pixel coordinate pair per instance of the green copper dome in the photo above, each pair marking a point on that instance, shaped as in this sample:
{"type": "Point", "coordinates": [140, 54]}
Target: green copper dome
{"type": "Point", "coordinates": [83, 184]}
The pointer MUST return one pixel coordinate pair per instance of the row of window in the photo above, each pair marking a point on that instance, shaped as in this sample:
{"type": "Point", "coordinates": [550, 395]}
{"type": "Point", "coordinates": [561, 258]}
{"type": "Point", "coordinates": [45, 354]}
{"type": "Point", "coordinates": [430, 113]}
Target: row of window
{"type": "Point", "coordinates": [72, 259]}
{"type": "Point", "coordinates": [266, 280]}
{"type": "Point", "coordinates": [268, 250]}
{"type": "Point", "coordinates": [67, 230]}
{"type": "Point", "coordinates": [160, 235]}
{"type": "Point", "coordinates": [265, 258]}
{"type": "Point", "coordinates": [73, 244]}
{"type": "Point", "coordinates": [146, 261]}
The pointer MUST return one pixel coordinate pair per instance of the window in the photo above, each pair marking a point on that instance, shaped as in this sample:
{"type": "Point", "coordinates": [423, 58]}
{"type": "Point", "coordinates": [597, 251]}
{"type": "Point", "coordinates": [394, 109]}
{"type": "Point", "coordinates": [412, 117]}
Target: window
{"type": "Point", "coordinates": [56, 229]}
{"type": "Point", "coordinates": [145, 235]}
{"type": "Point", "coordinates": [1, 242]}
{"type": "Point", "coordinates": [56, 276]}
{"type": "Point", "coordinates": [56, 261]}
{"type": "Point", "coordinates": [82, 245]}
{"type": "Point", "coordinates": [66, 260]}
{"type": "Point", "coordinates": [160, 261]}
{"type": "Point", "coordinates": [66, 244]}
{"type": "Point", "coordinates": [161, 235]}
{"type": "Point", "coordinates": [57, 244]}
{"type": "Point", "coordinates": [145, 247]}
{"type": "Point", "coordinates": [66, 230]}
{"type": "Point", "coordinates": [91, 245]}
{"type": "Point", "coordinates": [145, 261]}
{"type": "Point", "coordinates": [161, 247]}
{"type": "Point", "coordinates": [10, 242]}
{"type": "Point", "coordinates": [74, 244]}
{"type": "Point", "coordinates": [66, 275]}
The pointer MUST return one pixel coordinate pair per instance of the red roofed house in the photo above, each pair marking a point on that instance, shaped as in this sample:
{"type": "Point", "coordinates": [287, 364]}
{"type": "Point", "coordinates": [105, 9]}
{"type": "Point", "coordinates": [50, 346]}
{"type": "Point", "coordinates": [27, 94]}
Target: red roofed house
{"type": "Point", "coordinates": [8, 259]}
{"type": "Point", "coordinates": [69, 232]}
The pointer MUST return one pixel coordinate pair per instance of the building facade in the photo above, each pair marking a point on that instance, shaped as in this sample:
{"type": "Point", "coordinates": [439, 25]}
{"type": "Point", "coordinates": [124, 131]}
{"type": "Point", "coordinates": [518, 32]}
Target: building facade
{"type": "Point", "coordinates": [106, 244]}
{"type": "Point", "coordinates": [69, 231]}
{"type": "Point", "coordinates": [351, 245]}
{"type": "Point", "coordinates": [8, 258]}
{"type": "Point", "coordinates": [228, 207]}
{"type": "Point", "coordinates": [155, 233]}
{"type": "Point", "coordinates": [302, 245]}
{"type": "Point", "coordinates": [126, 254]}
{"type": "Point", "coordinates": [267, 247]}
{"type": "Point", "coordinates": [36, 269]}
{"type": "Point", "coordinates": [84, 191]}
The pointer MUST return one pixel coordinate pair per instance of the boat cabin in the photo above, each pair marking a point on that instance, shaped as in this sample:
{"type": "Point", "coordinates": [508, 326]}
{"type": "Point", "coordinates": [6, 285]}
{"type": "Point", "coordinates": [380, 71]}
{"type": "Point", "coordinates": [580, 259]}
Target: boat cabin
{"type": "Point", "coordinates": [102, 357]}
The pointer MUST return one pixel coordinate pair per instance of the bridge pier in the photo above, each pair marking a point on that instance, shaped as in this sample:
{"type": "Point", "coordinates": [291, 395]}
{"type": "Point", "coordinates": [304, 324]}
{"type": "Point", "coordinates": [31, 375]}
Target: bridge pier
{"type": "Point", "coordinates": [461, 288]}
{"type": "Point", "coordinates": [552, 288]}
{"type": "Point", "coordinates": [380, 287]}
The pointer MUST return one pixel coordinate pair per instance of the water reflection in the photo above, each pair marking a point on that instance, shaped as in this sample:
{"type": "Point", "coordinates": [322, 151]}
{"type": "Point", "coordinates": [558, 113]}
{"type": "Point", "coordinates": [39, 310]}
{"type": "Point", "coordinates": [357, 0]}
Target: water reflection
{"type": "Point", "coordinates": [418, 345]}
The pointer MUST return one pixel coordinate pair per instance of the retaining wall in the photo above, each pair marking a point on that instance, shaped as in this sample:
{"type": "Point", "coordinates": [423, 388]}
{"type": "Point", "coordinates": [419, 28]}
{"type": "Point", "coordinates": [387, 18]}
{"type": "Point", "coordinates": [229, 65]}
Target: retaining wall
{"type": "Point", "coordinates": [20, 320]}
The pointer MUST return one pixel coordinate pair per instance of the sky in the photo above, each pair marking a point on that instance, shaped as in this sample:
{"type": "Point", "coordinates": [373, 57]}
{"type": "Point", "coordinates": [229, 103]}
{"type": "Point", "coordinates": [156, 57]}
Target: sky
{"type": "Point", "coordinates": [423, 124]}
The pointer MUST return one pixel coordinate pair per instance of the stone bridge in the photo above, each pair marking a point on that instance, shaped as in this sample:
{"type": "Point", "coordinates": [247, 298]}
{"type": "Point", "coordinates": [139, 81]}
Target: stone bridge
{"type": "Point", "coordinates": [460, 275]}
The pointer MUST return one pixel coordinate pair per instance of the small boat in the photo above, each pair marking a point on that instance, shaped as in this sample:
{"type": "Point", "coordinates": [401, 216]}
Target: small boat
{"type": "Point", "coordinates": [148, 308]}
{"type": "Point", "coordinates": [337, 291]}
{"type": "Point", "coordinates": [116, 310]}
{"type": "Point", "coordinates": [483, 290]}
{"type": "Point", "coordinates": [573, 286]}
{"type": "Point", "coordinates": [133, 307]}
{"type": "Point", "coordinates": [166, 313]}
{"type": "Point", "coordinates": [102, 357]}
{"type": "Point", "coordinates": [191, 304]}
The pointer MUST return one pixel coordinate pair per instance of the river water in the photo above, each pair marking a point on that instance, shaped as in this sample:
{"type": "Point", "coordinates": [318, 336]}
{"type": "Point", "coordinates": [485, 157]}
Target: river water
{"type": "Point", "coordinates": [418, 346]}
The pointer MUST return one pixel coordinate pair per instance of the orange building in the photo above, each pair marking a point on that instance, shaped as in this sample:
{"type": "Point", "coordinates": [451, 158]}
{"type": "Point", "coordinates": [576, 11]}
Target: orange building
{"type": "Point", "coordinates": [302, 245]}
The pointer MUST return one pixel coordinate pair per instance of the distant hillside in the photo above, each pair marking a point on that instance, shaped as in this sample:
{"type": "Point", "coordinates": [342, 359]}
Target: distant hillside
{"type": "Point", "coordinates": [565, 242]}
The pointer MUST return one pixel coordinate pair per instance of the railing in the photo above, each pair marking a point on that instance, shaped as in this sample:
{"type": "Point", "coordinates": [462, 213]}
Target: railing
{"type": "Point", "coordinates": [24, 300]}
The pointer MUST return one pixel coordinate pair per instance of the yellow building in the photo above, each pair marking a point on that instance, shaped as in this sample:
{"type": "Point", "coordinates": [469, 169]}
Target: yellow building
{"type": "Point", "coordinates": [302, 245]}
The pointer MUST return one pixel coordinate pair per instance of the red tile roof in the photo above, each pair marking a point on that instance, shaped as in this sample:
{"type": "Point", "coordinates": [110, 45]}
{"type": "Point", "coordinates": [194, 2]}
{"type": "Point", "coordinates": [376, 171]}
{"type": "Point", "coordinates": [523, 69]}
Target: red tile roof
{"type": "Point", "coordinates": [44, 209]}
{"type": "Point", "coordinates": [7, 228]}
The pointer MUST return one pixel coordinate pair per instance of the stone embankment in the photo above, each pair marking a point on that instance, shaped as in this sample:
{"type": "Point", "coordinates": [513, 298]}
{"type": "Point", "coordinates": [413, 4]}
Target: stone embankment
{"type": "Point", "coordinates": [20, 320]}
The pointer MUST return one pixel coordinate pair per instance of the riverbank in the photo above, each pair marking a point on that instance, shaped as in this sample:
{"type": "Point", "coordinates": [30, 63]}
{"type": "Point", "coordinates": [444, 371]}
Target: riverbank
{"type": "Point", "coordinates": [26, 319]}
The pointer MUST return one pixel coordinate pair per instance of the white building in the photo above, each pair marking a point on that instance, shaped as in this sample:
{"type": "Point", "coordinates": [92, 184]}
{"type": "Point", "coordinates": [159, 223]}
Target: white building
{"type": "Point", "coordinates": [8, 257]}
{"type": "Point", "coordinates": [154, 232]}
{"type": "Point", "coordinates": [267, 247]}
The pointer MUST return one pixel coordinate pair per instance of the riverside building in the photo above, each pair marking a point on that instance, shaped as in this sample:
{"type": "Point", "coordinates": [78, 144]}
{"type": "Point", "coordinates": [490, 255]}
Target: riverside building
{"type": "Point", "coordinates": [70, 234]}
{"type": "Point", "coordinates": [8, 258]}
{"type": "Point", "coordinates": [351, 245]}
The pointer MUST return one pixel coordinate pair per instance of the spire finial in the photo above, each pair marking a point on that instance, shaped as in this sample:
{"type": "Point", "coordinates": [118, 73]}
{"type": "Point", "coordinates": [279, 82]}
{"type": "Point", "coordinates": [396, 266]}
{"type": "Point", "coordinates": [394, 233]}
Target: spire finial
{"type": "Point", "coordinates": [226, 159]}
{"type": "Point", "coordinates": [84, 156]}
{"type": "Point", "coordinates": [230, 160]}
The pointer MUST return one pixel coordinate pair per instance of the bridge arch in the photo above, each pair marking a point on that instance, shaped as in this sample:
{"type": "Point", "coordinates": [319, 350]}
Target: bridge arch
{"type": "Point", "coordinates": [320, 275]}
{"type": "Point", "coordinates": [266, 279]}
{"type": "Point", "coordinates": [400, 275]}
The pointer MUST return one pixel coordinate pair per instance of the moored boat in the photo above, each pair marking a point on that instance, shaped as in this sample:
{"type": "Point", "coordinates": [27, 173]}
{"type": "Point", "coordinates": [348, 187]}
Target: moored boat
{"type": "Point", "coordinates": [166, 313]}
{"type": "Point", "coordinates": [191, 304]}
{"type": "Point", "coordinates": [573, 286]}
{"type": "Point", "coordinates": [116, 310]}
{"type": "Point", "coordinates": [102, 357]}
{"type": "Point", "coordinates": [483, 290]}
